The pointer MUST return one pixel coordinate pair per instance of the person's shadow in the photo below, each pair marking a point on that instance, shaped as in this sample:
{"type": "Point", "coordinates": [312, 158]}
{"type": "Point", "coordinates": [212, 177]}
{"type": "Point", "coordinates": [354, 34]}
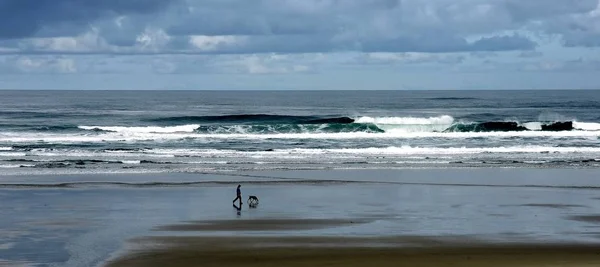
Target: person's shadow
{"type": "Point", "coordinates": [238, 209]}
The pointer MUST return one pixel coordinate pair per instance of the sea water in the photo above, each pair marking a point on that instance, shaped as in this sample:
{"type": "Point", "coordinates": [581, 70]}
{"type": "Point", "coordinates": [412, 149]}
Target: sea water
{"type": "Point", "coordinates": [58, 132]}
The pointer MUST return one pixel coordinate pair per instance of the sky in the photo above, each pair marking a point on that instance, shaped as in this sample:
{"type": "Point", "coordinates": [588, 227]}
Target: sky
{"type": "Point", "coordinates": [299, 44]}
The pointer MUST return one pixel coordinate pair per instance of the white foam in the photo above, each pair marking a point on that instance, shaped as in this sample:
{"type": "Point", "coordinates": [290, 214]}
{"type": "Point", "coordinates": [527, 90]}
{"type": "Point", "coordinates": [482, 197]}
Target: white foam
{"type": "Point", "coordinates": [444, 120]}
{"type": "Point", "coordinates": [464, 150]}
{"type": "Point", "coordinates": [131, 161]}
{"type": "Point", "coordinates": [128, 137]}
{"type": "Point", "coordinates": [391, 150]}
{"type": "Point", "coordinates": [9, 166]}
{"type": "Point", "coordinates": [586, 126]}
{"type": "Point", "coordinates": [409, 124]}
{"type": "Point", "coordinates": [145, 129]}
{"type": "Point", "coordinates": [81, 154]}
{"type": "Point", "coordinates": [533, 126]}
{"type": "Point", "coordinates": [12, 154]}
{"type": "Point", "coordinates": [4, 148]}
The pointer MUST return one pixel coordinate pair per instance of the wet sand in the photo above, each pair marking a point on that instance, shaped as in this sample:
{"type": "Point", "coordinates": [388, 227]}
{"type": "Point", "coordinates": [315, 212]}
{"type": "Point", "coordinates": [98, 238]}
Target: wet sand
{"type": "Point", "coordinates": [261, 224]}
{"type": "Point", "coordinates": [341, 251]}
{"type": "Point", "coordinates": [346, 251]}
{"type": "Point", "coordinates": [587, 218]}
{"type": "Point", "coordinates": [482, 217]}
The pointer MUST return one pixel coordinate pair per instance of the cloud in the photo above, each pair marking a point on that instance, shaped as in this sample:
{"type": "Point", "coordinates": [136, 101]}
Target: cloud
{"type": "Point", "coordinates": [242, 64]}
{"type": "Point", "coordinates": [258, 65]}
{"type": "Point", "coordinates": [530, 54]}
{"type": "Point", "coordinates": [409, 58]}
{"type": "Point", "coordinates": [259, 38]}
{"type": "Point", "coordinates": [160, 64]}
{"type": "Point", "coordinates": [28, 17]}
{"type": "Point", "coordinates": [503, 43]}
{"type": "Point", "coordinates": [276, 26]}
{"type": "Point", "coordinates": [38, 64]}
{"type": "Point", "coordinates": [577, 29]}
{"type": "Point", "coordinates": [577, 65]}
{"type": "Point", "coordinates": [541, 9]}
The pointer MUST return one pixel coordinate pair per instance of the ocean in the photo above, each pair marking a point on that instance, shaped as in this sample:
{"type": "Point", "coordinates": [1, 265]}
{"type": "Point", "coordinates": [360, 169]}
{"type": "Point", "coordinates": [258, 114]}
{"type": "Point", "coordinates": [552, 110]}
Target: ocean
{"type": "Point", "coordinates": [72, 132]}
{"type": "Point", "coordinates": [85, 175]}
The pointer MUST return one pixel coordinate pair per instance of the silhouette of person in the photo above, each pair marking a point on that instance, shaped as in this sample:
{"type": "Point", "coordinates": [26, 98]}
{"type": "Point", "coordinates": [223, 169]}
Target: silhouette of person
{"type": "Point", "coordinates": [239, 195]}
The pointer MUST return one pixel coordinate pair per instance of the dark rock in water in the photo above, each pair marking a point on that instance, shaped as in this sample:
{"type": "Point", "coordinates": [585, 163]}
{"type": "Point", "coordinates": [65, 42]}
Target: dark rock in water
{"type": "Point", "coordinates": [558, 126]}
{"type": "Point", "coordinates": [492, 126]}
{"type": "Point", "coordinates": [501, 126]}
{"type": "Point", "coordinates": [269, 150]}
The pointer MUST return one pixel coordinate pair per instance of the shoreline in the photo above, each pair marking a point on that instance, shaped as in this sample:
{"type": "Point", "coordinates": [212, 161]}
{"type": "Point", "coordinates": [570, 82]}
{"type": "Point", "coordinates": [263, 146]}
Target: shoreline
{"type": "Point", "coordinates": [585, 164]}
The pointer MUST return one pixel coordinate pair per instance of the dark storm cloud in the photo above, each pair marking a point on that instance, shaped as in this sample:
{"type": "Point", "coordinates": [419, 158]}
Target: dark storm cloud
{"type": "Point", "coordinates": [294, 26]}
{"type": "Point", "coordinates": [24, 18]}
{"type": "Point", "coordinates": [503, 43]}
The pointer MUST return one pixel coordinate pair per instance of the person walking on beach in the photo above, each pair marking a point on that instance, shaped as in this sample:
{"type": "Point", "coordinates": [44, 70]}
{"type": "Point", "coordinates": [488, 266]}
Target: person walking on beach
{"type": "Point", "coordinates": [239, 195]}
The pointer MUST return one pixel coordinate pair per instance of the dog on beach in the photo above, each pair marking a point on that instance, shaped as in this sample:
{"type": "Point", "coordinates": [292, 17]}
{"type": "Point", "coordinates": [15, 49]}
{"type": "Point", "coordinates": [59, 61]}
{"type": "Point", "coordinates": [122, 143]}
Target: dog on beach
{"type": "Point", "coordinates": [252, 201]}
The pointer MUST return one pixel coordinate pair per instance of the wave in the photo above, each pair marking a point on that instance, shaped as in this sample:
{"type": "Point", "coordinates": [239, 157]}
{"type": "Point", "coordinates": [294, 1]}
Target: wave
{"type": "Point", "coordinates": [75, 162]}
{"type": "Point", "coordinates": [284, 126]}
{"type": "Point", "coordinates": [409, 124]}
{"type": "Point", "coordinates": [586, 126]}
{"type": "Point", "coordinates": [447, 124]}
{"type": "Point", "coordinates": [487, 127]}
{"type": "Point", "coordinates": [119, 137]}
{"type": "Point", "coordinates": [390, 150]}
{"type": "Point", "coordinates": [290, 128]}
{"type": "Point", "coordinates": [144, 129]}
{"type": "Point", "coordinates": [508, 126]}
{"type": "Point", "coordinates": [56, 128]}
{"type": "Point", "coordinates": [254, 119]}
{"type": "Point", "coordinates": [244, 129]}
{"type": "Point", "coordinates": [441, 120]}
{"type": "Point", "coordinates": [178, 155]}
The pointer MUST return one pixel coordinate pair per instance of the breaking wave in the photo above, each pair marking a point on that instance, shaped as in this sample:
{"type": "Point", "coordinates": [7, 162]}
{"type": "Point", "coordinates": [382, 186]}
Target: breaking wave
{"type": "Point", "coordinates": [410, 124]}
{"type": "Point", "coordinates": [253, 119]}
{"type": "Point", "coordinates": [262, 124]}
{"type": "Point", "coordinates": [290, 128]}
{"type": "Point", "coordinates": [144, 129]}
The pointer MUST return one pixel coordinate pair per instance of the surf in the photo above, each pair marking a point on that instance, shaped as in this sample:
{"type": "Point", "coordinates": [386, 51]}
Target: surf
{"type": "Point", "coordinates": [253, 119]}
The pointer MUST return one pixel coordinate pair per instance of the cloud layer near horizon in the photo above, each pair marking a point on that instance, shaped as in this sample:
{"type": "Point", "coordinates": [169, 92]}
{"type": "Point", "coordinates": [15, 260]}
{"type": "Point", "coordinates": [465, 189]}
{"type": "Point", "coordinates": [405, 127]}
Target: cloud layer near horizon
{"type": "Point", "coordinates": [296, 36]}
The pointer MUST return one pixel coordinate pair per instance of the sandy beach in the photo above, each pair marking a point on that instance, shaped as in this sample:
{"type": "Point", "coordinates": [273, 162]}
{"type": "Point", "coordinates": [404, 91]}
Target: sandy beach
{"type": "Point", "coordinates": [420, 217]}
{"type": "Point", "coordinates": [344, 250]}
{"type": "Point", "coordinates": [316, 251]}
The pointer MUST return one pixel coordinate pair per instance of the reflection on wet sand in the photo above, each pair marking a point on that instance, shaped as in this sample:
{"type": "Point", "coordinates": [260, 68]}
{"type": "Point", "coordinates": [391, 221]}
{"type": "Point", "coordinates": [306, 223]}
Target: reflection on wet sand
{"type": "Point", "coordinates": [340, 251]}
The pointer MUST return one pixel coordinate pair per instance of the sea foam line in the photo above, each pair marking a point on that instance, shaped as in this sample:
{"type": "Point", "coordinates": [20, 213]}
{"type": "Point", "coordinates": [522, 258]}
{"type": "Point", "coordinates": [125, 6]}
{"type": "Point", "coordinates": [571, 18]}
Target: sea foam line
{"type": "Point", "coordinates": [166, 137]}
{"type": "Point", "coordinates": [134, 157]}
{"type": "Point", "coordinates": [391, 150]}
{"type": "Point", "coordinates": [586, 126]}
